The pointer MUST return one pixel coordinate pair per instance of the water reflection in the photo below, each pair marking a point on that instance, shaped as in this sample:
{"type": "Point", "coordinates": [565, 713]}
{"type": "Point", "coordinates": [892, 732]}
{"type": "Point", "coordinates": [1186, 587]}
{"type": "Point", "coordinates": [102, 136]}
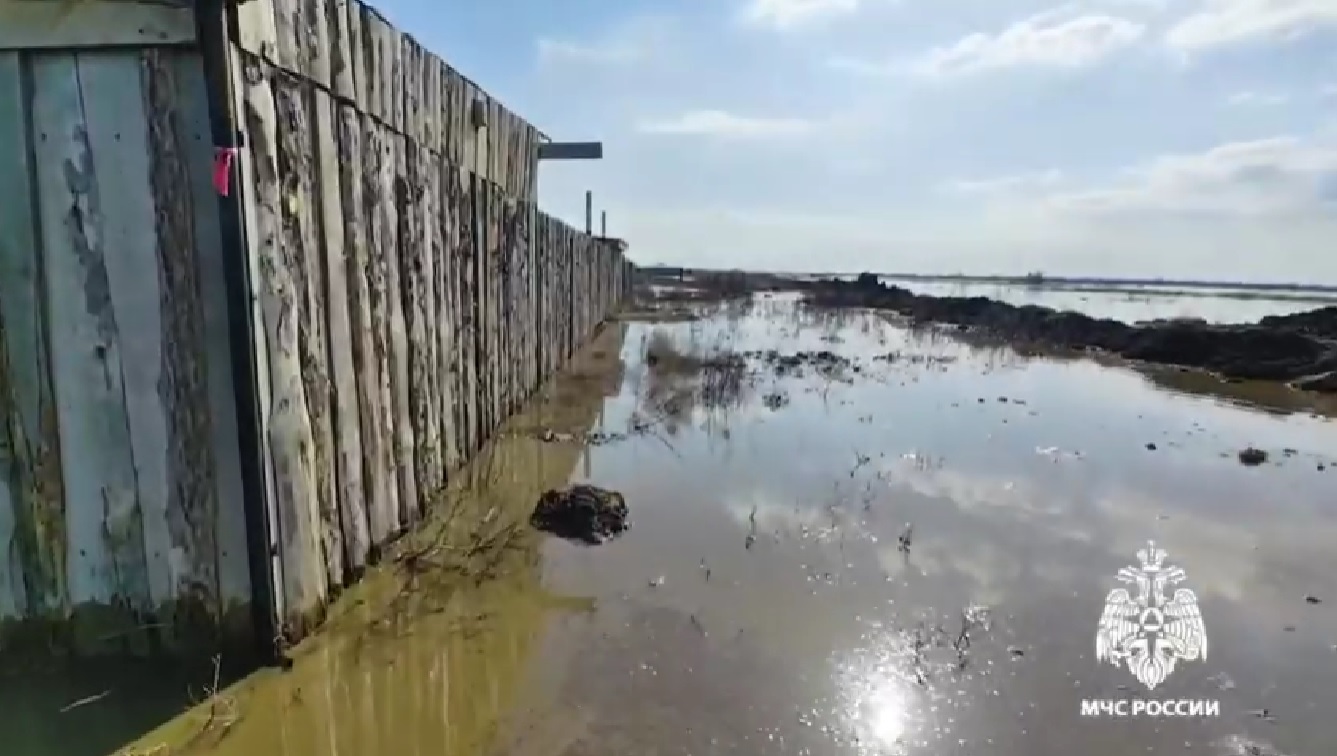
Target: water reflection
{"type": "Point", "coordinates": [425, 655]}
{"type": "Point", "coordinates": [1025, 493]}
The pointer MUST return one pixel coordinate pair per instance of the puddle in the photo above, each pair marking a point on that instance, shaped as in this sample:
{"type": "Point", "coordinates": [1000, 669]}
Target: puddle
{"type": "Point", "coordinates": [898, 544]}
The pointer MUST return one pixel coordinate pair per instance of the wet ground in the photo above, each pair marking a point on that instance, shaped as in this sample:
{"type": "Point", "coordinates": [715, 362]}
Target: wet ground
{"type": "Point", "coordinates": [902, 546]}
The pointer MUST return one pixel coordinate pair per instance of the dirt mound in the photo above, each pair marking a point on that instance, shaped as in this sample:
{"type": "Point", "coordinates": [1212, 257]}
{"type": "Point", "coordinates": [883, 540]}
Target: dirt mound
{"type": "Point", "coordinates": [581, 513]}
{"type": "Point", "coordinates": [1299, 348]}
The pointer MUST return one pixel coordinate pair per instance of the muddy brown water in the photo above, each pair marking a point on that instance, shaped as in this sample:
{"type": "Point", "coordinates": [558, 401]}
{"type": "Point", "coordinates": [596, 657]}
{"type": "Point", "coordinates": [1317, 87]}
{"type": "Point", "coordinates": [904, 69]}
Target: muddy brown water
{"type": "Point", "coordinates": [765, 600]}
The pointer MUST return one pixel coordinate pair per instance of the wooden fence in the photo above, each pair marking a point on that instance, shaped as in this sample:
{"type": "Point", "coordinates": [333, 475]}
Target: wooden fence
{"type": "Point", "coordinates": [405, 294]}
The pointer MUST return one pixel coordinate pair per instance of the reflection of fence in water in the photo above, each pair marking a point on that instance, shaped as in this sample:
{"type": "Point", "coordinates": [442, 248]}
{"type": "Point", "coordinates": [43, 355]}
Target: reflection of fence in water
{"type": "Point", "coordinates": [434, 659]}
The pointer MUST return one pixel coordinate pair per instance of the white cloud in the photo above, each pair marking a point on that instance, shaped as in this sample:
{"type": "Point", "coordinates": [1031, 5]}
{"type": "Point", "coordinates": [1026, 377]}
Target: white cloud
{"type": "Point", "coordinates": [1283, 176]}
{"type": "Point", "coordinates": [1258, 99]}
{"type": "Point", "coordinates": [790, 14]}
{"type": "Point", "coordinates": [1052, 38]}
{"type": "Point", "coordinates": [1020, 182]}
{"type": "Point", "coordinates": [551, 50]}
{"type": "Point", "coordinates": [1227, 22]}
{"type": "Point", "coordinates": [719, 123]}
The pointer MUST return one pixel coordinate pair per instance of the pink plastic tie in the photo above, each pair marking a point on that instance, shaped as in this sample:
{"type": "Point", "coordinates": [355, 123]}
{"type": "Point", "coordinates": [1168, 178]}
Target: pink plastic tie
{"type": "Point", "coordinates": [223, 168]}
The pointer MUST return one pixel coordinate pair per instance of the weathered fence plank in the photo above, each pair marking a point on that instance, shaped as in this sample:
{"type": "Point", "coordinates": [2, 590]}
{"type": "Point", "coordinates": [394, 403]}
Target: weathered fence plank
{"type": "Point", "coordinates": [469, 310]}
{"type": "Point", "coordinates": [340, 50]}
{"type": "Point", "coordinates": [32, 497]}
{"type": "Point", "coordinates": [358, 188]}
{"type": "Point", "coordinates": [105, 525]}
{"type": "Point", "coordinates": [448, 327]}
{"type": "Point", "coordinates": [337, 226]}
{"type": "Point", "coordinates": [428, 326]}
{"type": "Point", "coordinates": [378, 196]}
{"type": "Point", "coordinates": [198, 544]}
{"type": "Point", "coordinates": [399, 351]}
{"type": "Point", "coordinates": [301, 256]}
{"type": "Point", "coordinates": [289, 427]}
{"type": "Point", "coordinates": [415, 267]}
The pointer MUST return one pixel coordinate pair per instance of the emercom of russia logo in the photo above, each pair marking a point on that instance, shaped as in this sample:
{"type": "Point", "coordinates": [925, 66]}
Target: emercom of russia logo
{"type": "Point", "coordinates": [1148, 630]}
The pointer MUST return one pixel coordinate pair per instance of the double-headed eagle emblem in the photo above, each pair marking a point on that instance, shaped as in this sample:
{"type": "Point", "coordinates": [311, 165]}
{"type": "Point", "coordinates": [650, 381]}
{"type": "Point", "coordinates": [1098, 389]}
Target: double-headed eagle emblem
{"type": "Point", "coordinates": [1151, 632]}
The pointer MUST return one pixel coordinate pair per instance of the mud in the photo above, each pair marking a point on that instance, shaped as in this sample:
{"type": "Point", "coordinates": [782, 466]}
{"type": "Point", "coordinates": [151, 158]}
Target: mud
{"type": "Point", "coordinates": [582, 512]}
{"type": "Point", "coordinates": [1300, 349]}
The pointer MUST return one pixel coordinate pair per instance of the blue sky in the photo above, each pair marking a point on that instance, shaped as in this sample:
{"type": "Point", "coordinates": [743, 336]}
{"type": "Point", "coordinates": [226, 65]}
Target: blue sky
{"type": "Point", "coordinates": [1189, 138]}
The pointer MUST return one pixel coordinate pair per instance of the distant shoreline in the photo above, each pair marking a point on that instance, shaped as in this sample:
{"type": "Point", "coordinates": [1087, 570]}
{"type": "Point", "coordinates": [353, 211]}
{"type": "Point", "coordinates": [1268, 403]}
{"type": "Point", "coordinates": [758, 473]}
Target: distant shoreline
{"type": "Point", "coordinates": [1043, 281]}
{"type": "Point", "coordinates": [1053, 281]}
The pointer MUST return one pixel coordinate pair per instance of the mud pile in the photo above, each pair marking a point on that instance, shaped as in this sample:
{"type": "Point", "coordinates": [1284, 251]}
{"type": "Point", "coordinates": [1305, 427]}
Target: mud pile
{"type": "Point", "coordinates": [1300, 348]}
{"type": "Point", "coordinates": [581, 513]}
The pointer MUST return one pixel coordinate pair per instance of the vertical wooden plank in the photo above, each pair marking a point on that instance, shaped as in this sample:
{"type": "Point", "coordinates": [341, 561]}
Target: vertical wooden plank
{"type": "Point", "coordinates": [486, 354]}
{"type": "Point", "coordinates": [32, 498]}
{"type": "Point", "coordinates": [303, 259]}
{"type": "Point", "coordinates": [410, 61]}
{"type": "Point", "coordinates": [448, 318]}
{"type": "Point", "coordinates": [393, 72]}
{"type": "Point", "coordinates": [289, 427]}
{"type": "Point", "coordinates": [358, 54]}
{"type": "Point", "coordinates": [357, 178]}
{"type": "Point", "coordinates": [341, 49]}
{"type": "Point", "coordinates": [403, 222]}
{"type": "Point", "coordinates": [415, 263]}
{"type": "Point", "coordinates": [336, 216]}
{"type": "Point", "coordinates": [105, 524]}
{"type": "Point", "coordinates": [182, 539]}
{"type": "Point", "coordinates": [234, 579]}
{"type": "Point", "coordinates": [453, 115]}
{"type": "Point", "coordinates": [503, 150]}
{"type": "Point", "coordinates": [257, 32]}
{"type": "Point", "coordinates": [378, 197]}
{"type": "Point", "coordinates": [496, 142]}
{"type": "Point", "coordinates": [496, 258]}
{"type": "Point", "coordinates": [512, 301]}
{"type": "Point", "coordinates": [431, 107]}
{"type": "Point", "coordinates": [467, 263]}
{"type": "Point", "coordinates": [468, 135]}
{"type": "Point", "coordinates": [320, 39]}
{"type": "Point", "coordinates": [373, 47]}
{"type": "Point", "coordinates": [288, 28]}
{"type": "Point", "coordinates": [429, 314]}
{"type": "Point", "coordinates": [544, 285]}
{"type": "Point", "coordinates": [244, 69]}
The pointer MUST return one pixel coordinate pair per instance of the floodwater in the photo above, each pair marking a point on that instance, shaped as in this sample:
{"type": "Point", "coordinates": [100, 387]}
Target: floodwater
{"type": "Point", "coordinates": [1134, 303]}
{"type": "Point", "coordinates": [905, 553]}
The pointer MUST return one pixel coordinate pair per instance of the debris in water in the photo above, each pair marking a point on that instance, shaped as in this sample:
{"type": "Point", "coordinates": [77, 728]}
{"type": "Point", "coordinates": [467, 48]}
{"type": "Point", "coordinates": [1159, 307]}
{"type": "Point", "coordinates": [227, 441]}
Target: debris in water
{"type": "Point", "coordinates": [1313, 600]}
{"type": "Point", "coordinates": [1055, 454]}
{"type": "Point", "coordinates": [657, 582]}
{"type": "Point", "coordinates": [1151, 447]}
{"type": "Point", "coordinates": [1252, 457]}
{"type": "Point", "coordinates": [581, 512]}
{"type": "Point", "coordinates": [904, 540]}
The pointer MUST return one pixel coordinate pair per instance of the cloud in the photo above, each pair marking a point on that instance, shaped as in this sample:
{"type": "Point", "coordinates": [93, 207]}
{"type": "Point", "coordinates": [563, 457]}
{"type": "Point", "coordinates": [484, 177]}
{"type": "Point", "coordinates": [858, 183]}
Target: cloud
{"type": "Point", "coordinates": [1046, 39]}
{"type": "Point", "coordinates": [1230, 22]}
{"type": "Point", "coordinates": [786, 15]}
{"type": "Point", "coordinates": [1258, 99]}
{"type": "Point", "coordinates": [1278, 177]}
{"type": "Point", "coordinates": [1021, 182]}
{"type": "Point", "coordinates": [719, 123]}
{"type": "Point", "coordinates": [551, 50]}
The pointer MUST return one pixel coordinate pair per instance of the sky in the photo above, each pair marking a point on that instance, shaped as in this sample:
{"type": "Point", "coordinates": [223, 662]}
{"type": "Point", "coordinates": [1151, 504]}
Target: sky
{"type": "Point", "coordinates": [1147, 138]}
